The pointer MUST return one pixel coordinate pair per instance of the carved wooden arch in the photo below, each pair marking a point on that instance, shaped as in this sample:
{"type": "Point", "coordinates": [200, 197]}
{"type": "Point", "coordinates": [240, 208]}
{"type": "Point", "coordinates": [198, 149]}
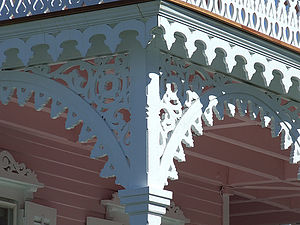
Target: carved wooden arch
{"type": "Point", "coordinates": [102, 57]}
{"type": "Point", "coordinates": [36, 81]}
{"type": "Point", "coordinates": [194, 92]}
{"type": "Point", "coordinates": [214, 101]}
{"type": "Point", "coordinates": [195, 71]}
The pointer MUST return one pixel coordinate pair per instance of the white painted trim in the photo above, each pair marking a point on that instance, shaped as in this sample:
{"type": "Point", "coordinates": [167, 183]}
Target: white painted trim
{"type": "Point", "coordinates": [213, 28]}
{"type": "Point", "coordinates": [98, 221]}
{"type": "Point", "coordinates": [17, 174]}
{"type": "Point", "coordinates": [115, 211]}
{"type": "Point", "coordinates": [79, 21]}
{"type": "Point", "coordinates": [17, 183]}
{"type": "Point", "coordinates": [270, 18]}
{"type": "Point", "coordinates": [10, 205]}
{"type": "Point", "coordinates": [232, 50]}
{"type": "Point", "coordinates": [12, 8]}
{"type": "Point", "coordinates": [35, 211]}
{"type": "Point", "coordinates": [226, 214]}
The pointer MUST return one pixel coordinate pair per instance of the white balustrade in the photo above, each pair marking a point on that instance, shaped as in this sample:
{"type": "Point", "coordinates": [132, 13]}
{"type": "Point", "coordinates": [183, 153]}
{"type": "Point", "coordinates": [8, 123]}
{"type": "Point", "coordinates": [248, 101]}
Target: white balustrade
{"type": "Point", "coordinates": [10, 9]}
{"type": "Point", "coordinates": [277, 18]}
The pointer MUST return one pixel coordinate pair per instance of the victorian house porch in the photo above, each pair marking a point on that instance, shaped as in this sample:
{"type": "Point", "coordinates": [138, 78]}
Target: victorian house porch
{"type": "Point", "coordinates": [189, 111]}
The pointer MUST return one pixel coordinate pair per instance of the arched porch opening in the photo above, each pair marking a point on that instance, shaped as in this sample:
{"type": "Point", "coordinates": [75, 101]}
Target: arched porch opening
{"type": "Point", "coordinates": [238, 158]}
{"type": "Point", "coordinates": [194, 99]}
{"type": "Point", "coordinates": [72, 184]}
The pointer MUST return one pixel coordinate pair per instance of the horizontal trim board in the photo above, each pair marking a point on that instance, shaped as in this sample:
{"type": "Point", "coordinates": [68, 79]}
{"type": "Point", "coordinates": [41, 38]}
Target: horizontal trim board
{"type": "Point", "coordinates": [72, 11]}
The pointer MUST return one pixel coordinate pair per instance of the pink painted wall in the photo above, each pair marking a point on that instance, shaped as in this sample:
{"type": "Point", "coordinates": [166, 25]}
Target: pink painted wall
{"type": "Point", "coordinates": [71, 178]}
{"type": "Point", "coordinates": [223, 156]}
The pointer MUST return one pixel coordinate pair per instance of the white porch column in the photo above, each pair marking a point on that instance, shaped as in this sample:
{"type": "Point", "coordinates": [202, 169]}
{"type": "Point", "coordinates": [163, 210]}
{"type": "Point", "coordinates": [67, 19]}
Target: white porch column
{"type": "Point", "coordinates": [144, 196]}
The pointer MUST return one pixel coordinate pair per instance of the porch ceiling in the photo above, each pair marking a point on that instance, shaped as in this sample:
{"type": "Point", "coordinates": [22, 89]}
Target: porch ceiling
{"type": "Point", "coordinates": [235, 154]}
{"type": "Point", "coordinates": [238, 157]}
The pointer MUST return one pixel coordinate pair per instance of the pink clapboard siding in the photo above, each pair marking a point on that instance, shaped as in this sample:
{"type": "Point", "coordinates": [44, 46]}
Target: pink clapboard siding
{"type": "Point", "coordinates": [70, 176]}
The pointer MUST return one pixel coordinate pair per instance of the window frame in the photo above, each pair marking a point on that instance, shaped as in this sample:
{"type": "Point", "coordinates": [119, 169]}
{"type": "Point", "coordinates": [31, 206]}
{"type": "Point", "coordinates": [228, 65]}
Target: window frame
{"type": "Point", "coordinates": [10, 204]}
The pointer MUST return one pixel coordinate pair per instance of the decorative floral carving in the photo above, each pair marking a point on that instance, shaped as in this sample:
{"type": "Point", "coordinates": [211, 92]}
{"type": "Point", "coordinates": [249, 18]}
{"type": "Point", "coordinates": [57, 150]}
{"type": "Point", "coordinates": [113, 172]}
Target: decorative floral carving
{"type": "Point", "coordinates": [175, 213]}
{"type": "Point", "coordinates": [94, 91]}
{"type": "Point", "coordinates": [11, 169]}
{"type": "Point", "coordinates": [171, 112]}
{"type": "Point", "coordinates": [104, 84]}
{"type": "Point", "coordinates": [197, 83]}
{"type": "Point", "coordinates": [194, 93]}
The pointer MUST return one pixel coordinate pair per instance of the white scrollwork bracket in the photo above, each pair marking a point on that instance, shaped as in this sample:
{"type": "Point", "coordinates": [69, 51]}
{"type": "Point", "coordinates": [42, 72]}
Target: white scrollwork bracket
{"type": "Point", "coordinates": [192, 93]}
{"type": "Point", "coordinates": [94, 92]}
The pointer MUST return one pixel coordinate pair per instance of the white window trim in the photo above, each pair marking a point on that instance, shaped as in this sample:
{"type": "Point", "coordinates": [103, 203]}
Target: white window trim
{"type": "Point", "coordinates": [98, 221]}
{"type": "Point", "coordinates": [10, 205]}
{"type": "Point", "coordinates": [33, 211]}
{"type": "Point", "coordinates": [17, 185]}
{"type": "Point", "coordinates": [14, 173]}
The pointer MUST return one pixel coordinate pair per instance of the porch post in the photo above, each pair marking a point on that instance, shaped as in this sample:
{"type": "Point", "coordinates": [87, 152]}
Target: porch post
{"type": "Point", "coordinates": [226, 214]}
{"type": "Point", "coordinates": [144, 196]}
{"type": "Point", "coordinates": [145, 205]}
